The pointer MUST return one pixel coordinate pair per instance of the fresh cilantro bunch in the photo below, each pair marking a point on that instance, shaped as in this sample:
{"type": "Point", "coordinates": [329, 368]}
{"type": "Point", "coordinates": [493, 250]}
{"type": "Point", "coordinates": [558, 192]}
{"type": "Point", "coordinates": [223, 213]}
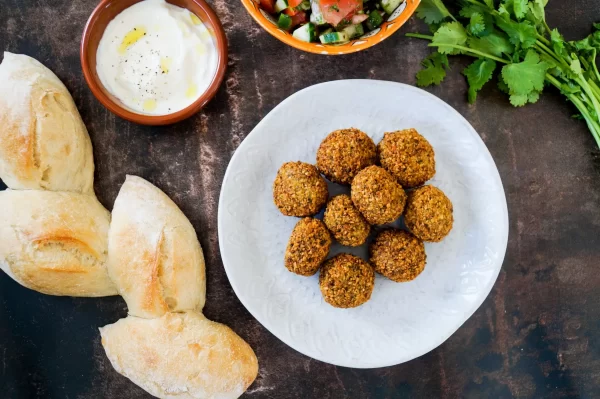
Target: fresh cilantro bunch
{"type": "Point", "coordinates": [513, 34]}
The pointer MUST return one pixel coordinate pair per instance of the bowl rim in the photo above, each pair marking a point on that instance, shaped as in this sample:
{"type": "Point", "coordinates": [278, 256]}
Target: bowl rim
{"type": "Point", "coordinates": [317, 48]}
{"type": "Point", "coordinates": [98, 90]}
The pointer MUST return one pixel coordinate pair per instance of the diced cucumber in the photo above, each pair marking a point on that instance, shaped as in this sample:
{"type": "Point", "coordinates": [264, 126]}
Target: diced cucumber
{"type": "Point", "coordinates": [333, 37]}
{"type": "Point", "coordinates": [375, 20]}
{"type": "Point", "coordinates": [281, 5]}
{"type": "Point", "coordinates": [354, 31]}
{"type": "Point", "coordinates": [316, 17]}
{"type": "Point", "coordinates": [389, 6]}
{"type": "Point", "coordinates": [304, 6]}
{"type": "Point", "coordinates": [306, 33]}
{"type": "Point", "coordinates": [284, 22]}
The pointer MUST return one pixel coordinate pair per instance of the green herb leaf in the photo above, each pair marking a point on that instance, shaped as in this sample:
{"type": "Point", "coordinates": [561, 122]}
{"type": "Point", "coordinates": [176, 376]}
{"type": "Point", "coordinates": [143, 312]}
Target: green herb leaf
{"type": "Point", "coordinates": [527, 76]}
{"type": "Point", "coordinates": [597, 26]}
{"type": "Point", "coordinates": [570, 88]}
{"type": "Point", "coordinates": [434, 70]}
{"type": "Point", "coordinates": [503, 13]}
{"type": "Point", "coordinates": [503, 86]}
{"type": "Point", "coordinates": [520, 100]}
{"type": "Point", "coordinates": [589, 43]}
{"type": "Point", "coordinates": [478, 74]}
{"type": "Point", "coordinates": [452, 33]}
{"type": "Point", "coordinates": [496, 43]}
{"type": "Point", "coordinates": [433, 11]}
{"type": "Point", "coordinates": [537, 13]}
{"type": "Point", "coordinates": [476, 26]}
{"type": "Point", "coordinates": [558, 42]}
{"type": "Point", "coordinates": [518, 7]}
{"type": "Point", "coordinates": [519, 33]}
{"type": "Point", "coordinates": [470, 9]}
{"type": "Point", "coordinates": [434, 27]}
{"type": "Point", "coordinates": [533, 97]}
{"type": "Point", "coordinates": [489, 3]}
{"type": "Point", "coordinates": [478, 15]}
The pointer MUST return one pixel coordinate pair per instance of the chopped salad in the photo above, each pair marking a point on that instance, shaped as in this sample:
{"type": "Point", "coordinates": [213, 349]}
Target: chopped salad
{"type": "Point", "coordinates": [329, 21]}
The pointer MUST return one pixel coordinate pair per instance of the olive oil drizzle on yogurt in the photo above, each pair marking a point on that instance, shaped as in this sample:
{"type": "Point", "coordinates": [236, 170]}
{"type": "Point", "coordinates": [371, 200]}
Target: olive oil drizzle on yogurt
{"type": "Point", "coordinates": [156, 58]}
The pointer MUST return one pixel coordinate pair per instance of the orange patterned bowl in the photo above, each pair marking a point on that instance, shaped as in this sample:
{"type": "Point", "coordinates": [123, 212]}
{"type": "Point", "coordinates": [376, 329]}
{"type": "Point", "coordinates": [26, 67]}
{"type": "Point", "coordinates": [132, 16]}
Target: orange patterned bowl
{"type": "Point", "coordinates": [393, 23]}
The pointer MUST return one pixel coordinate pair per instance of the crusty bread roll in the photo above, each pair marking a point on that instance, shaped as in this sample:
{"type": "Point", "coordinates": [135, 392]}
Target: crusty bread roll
{"type": "Point", "coordinates": [154, 257]}
{"type": "Point", "coordinates": [55, 243]}
{"type": "Point", "coordinates": [44, 144]}
{"type": "Point", "coordinates": [181, 356]}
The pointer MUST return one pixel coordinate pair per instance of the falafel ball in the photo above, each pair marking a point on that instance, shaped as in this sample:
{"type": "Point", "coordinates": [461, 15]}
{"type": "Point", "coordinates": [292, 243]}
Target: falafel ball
{"type": "Point", "coordinates": [429, 213]}
{"type": "Point", "coordinates": [408, 156]}
{"type": "Point", "coordinates": [346, 281]}
{"type": "Point", "coordinates": [299, 190]}
{"type": "Point", "coordinates": [377, 195]}
{"type": "Point", "coordinates": [398, 255]}
{"type": "Point", "coordinates": [344, 153]}
{"type": "Point", "coordinates": [308, 247]}
{"type": "Point", "coordinates": [345, 222]}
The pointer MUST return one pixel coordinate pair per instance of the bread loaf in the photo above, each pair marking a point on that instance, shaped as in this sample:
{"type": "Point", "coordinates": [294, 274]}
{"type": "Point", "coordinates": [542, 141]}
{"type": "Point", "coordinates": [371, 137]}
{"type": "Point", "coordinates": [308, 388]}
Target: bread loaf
{"type": "Point", "coordinates": [181, 356]}
{"type": "Point", "coordinates": [154, 257]}
{"type": "Point", "coordinates": [55, 243]}
{"type": "Point", "coordinates": [55, 238]}
{"type": "Point", "coordinates": [44, 144]}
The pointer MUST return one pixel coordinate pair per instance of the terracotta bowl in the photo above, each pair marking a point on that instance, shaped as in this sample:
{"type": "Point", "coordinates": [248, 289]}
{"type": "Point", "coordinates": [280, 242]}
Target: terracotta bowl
{"type": "Point", "coordinates": [391, 25]}
{"type": "Point", "coordinates": [106, 11]}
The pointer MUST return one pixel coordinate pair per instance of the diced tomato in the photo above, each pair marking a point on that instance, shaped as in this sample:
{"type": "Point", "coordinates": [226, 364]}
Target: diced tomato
{"type": "Point", "coordinates": [336, 11]}
{"type": "Point", "coordinates": [299, 18]}
{"type": "Point", "coordinates": [268, 6]}
{"type": "Point", "coordinates": [294, 3]}
{"type": "Point", "coordinates": [290, 11]}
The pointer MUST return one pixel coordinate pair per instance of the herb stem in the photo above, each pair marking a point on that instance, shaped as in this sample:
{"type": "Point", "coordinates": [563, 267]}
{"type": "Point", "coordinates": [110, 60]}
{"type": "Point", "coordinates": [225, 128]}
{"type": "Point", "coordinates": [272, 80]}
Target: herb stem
{"type": "Point", "coordinates": [591, 122]}
{"type": "Point", "coordinates": [547, 27]}
{"type": "Point", "coordinates": [586, 88]}
{"type": "Point", "coordinates": [543, 39]}
{"type": "Point", "coordinates": [595, 88]}
{"type": "Point", "coordinates": [543, 48]}
{"type": "Point", "coordinates": [419, 36]}
{"type": "Point", "coordinates": [472, 52]}
{"type": "Point", "coordinates": [594, 66]}
{"type": "Point", "coordinates": [455, 46]}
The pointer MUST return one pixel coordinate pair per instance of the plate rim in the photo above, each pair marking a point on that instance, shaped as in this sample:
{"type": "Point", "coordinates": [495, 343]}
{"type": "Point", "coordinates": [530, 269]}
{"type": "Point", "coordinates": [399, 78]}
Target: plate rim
{"type": "Point", "coordinates": [477, 304]}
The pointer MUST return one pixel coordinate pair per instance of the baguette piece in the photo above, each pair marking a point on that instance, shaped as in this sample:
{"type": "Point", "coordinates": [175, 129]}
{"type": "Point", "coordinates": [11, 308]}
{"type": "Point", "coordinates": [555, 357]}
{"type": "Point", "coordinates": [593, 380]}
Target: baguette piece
{"type": "Point", "coordinates": [44, 144]}
{"type": "Point", "coordinates": [55, 242]}
{"type": "Point", "coordinates": [181, 356]}
{"type": "Point", "coordinates": [154, 257]}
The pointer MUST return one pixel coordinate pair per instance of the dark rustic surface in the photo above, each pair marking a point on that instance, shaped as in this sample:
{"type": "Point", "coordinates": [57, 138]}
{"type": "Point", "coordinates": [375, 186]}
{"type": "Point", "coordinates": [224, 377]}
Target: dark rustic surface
{"type": "Point", "coordinates": [538, 333]}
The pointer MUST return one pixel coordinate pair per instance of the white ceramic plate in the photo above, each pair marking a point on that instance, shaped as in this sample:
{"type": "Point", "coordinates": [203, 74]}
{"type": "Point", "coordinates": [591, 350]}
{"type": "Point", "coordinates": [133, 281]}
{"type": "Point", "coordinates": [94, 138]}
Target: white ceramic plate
{"type": "Point", "coordinates": [402, 320]}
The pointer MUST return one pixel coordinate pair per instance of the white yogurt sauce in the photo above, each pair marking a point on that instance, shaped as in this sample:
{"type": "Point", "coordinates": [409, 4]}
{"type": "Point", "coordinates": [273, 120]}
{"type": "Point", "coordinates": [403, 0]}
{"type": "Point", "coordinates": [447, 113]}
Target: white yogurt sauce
{"type": "Point", "coordinates": [156, 58]}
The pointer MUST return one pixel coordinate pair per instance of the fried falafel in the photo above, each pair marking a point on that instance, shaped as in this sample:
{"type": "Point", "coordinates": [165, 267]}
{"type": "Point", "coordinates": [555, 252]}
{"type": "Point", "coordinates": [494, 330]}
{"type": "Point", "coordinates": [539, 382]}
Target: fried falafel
{"type": "Point", "coordinates": [344, 153]}
{"type": "Point", "coordinates": [308, 247]}
{"type": "Point", "coordinates": [377, 195]}
{"type": "Point", "coordinates": [408, 156]}
{"type": "Point", "coordinates": [345, 222]}
{"type": "Point", "coordinates": [346, 281]}
{"type": "Point", "coordinates": [397, 255]}
{"type": "Point", "coordinates": [299, 190]}
{"type": "Point", "coordinates": [429, 213]}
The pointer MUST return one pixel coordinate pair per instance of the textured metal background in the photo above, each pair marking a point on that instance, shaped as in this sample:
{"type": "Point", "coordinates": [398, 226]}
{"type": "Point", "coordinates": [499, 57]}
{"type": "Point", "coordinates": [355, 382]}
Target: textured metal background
{"type": "Point", "coordinates": [538, 333]}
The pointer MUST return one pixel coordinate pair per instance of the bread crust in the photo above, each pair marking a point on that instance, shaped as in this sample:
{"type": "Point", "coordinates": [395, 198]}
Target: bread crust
{"type": "Point", "coordinates": [154, 258]}
{"type": "Point", "coordinates": [181, 356]}
{"type": "Point", "coordinates": [44, 144]}
{"type": "Point", "coordinates": [55, 243]}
